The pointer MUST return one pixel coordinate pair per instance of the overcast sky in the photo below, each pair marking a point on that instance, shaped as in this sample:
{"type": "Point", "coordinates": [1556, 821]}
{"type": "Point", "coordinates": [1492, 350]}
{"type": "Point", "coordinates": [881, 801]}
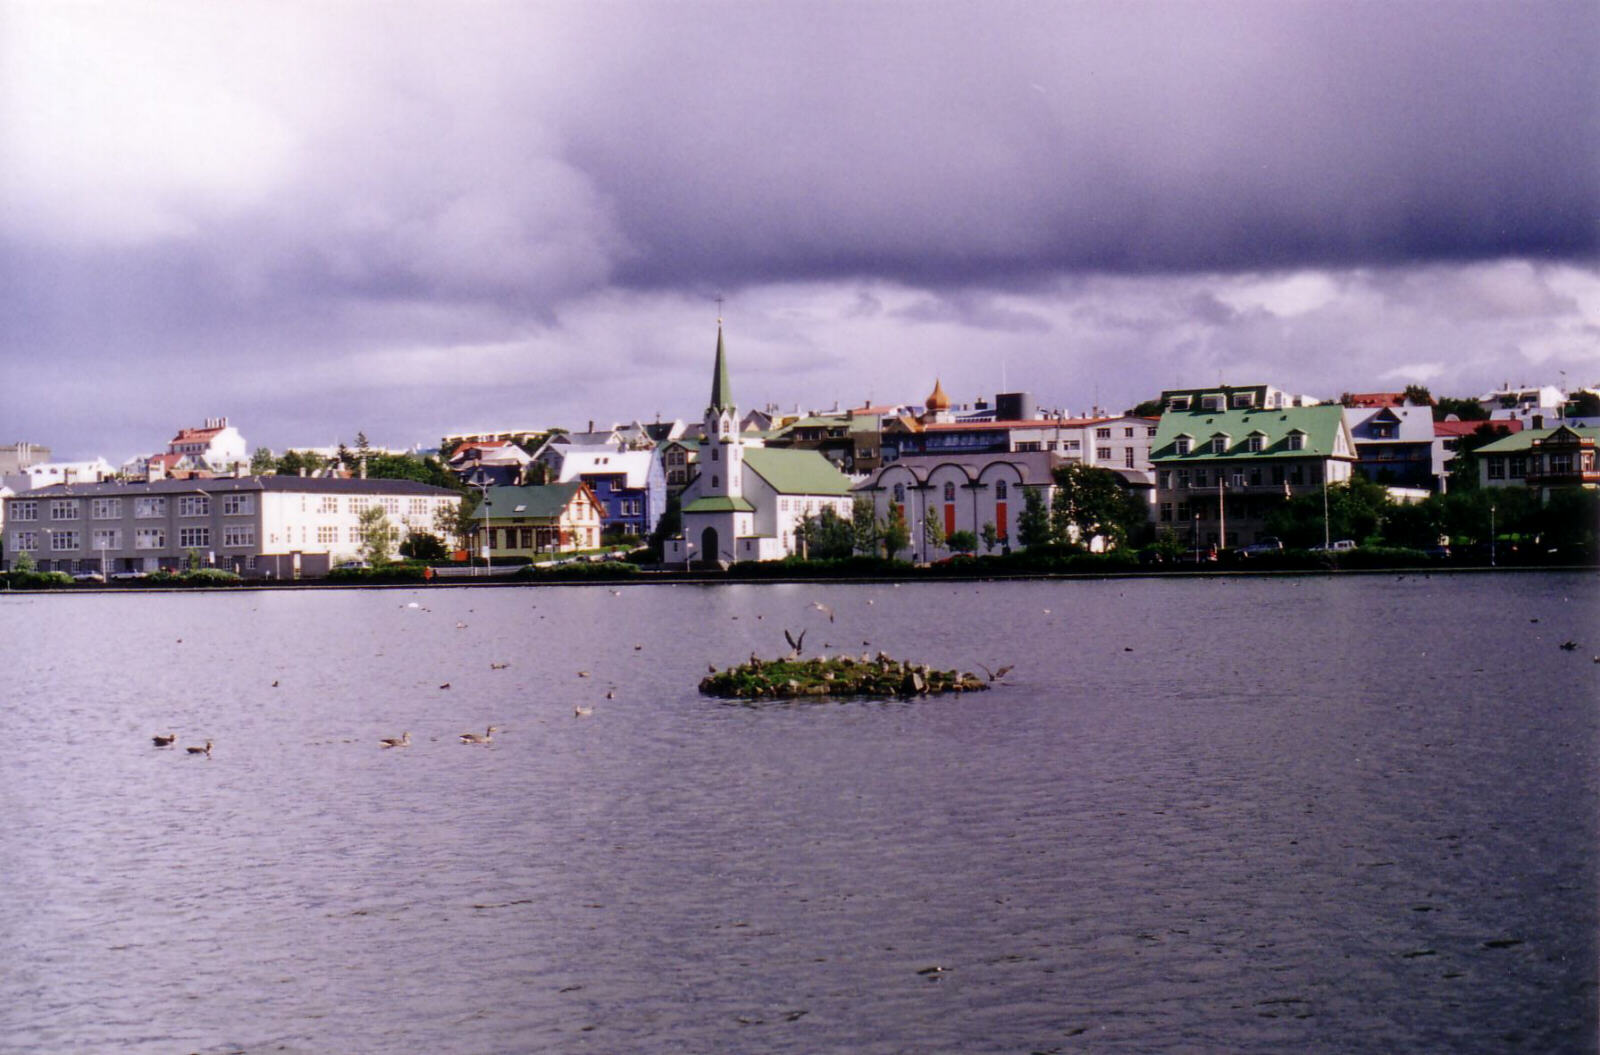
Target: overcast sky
{"type": "Point", "coordinates": [420, 218]}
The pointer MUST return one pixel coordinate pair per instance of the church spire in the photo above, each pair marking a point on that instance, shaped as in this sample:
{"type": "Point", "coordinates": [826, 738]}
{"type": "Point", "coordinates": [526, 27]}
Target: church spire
{"type": "Point", "coordinates": [721, 391]}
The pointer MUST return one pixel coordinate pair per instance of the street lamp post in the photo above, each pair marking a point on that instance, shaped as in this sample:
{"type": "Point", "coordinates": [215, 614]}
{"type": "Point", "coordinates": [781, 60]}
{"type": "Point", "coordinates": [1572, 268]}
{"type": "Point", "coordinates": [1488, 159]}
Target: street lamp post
{"type": "Point", "coordinates": [1326, 538]}
{"type": "Point", "coordinates": [1491, 535]}
{"type": "Point", "coordinates": [481, 482]}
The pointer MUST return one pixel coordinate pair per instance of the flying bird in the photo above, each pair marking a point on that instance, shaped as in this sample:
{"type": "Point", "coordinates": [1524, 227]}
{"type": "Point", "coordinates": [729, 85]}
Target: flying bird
{"type": "Point", "coordinates": [996, 675]}
{"type": "Point", "coordinates": [798, 644]}
{"type": "Point", "coordinates": [824, 609]}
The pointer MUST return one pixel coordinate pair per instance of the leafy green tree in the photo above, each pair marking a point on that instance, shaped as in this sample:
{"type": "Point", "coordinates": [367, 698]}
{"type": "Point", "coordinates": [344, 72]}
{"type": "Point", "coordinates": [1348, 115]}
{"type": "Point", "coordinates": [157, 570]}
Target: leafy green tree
{"type": "Point", "coordinates": [1356, 510]}
{"type": "Point", "coordinates": [1091, 501]}
{"type": "Point", "coordinates": [932, 530]}
{"type": "Point", "coordinates": [1419, 395]}
{"type": "Point", "coordinates": [24, 562]}
{"type": "Point", "coordinates": [362, 446]}
{"type": "Point", "coordinates": [1168, 547]}
{"type": "Point", "coordinates": [1463, 409]}
{"type": "Point", "coordinates": [455, 523]}
{"type": "Point", "coordinates": [1583, 404]}
{"type": "Point", "coordinates": [429, 470]}
{"type": "Point", "coordinates": [894, 532]}
{"type": "Point", "coordinates": [1150, 408]}
{"type": "Point", "coordinates": [864, 525]}
{"type": "Point", "coordinates": [990, 535]}
{"type": "Point", "coordinates": [828, 536]}
{"type": "Point", "coordinates": [262, 463]}
{"type": "Point", "coordinates": [293, 462]}
{"type": "Point", "coordinates": [1464, 466]}
{"type": "Point", "coordinates": [963, 542]}
{"type": "Point", "coordinates": [423, 545]}
{"type": "Point", "coordinates": [1033, 525]}
{"type": "Point", "coordinates": [377, 536]}
{"type": "Point", "coordinates": [193, 559]}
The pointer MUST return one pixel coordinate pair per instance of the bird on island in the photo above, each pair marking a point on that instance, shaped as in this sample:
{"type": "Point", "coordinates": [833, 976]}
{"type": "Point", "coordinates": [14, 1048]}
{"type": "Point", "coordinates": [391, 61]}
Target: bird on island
{"type": "Point", "coordinates": [164, 741]}
{"type": "Point", "coordinates": [206, 750]}
{"type": "Point", "coordinates": [711, 668]}
{"type": "Point", "coordinates": [403, 740]}
{"type": "Point", "coordinates": [824, 609]}
{"type": "Point", "coordinates": [474, 738]}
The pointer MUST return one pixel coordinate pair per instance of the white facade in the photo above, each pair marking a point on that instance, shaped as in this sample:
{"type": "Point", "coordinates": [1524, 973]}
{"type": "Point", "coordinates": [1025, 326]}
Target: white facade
{"type": "Point", "coordinates": [960, 494]}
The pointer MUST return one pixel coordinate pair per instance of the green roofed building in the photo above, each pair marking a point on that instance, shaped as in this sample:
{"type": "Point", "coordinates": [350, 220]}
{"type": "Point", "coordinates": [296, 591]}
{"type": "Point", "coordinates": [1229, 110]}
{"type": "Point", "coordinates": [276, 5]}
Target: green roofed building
{"type": "Point", "coordinates": [1541, 459]}
{"type": "Point", "coordinates": [746, 501]}
{"type": "Point", "coordinates": [1225, 457]}
{"type": "Point", "coordinates": [538, 520]}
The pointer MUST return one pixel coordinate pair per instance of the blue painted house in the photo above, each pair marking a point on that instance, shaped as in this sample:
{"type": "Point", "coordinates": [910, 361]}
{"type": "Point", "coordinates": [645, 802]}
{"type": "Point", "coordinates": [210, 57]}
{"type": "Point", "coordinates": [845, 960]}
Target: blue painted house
{"type": "Point", "coordinates": [630, 485]}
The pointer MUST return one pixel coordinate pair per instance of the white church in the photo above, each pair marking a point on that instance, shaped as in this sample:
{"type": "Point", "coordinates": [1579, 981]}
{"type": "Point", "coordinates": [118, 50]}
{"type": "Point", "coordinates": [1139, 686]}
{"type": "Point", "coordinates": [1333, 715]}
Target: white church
{"type": "Point", "coordinates": [748, 500]}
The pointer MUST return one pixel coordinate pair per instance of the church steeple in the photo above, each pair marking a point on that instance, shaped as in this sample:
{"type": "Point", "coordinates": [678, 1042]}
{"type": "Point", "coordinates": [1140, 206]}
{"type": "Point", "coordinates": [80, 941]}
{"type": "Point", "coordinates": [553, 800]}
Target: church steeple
{"type": "Point", "coordinates": [721, 391]}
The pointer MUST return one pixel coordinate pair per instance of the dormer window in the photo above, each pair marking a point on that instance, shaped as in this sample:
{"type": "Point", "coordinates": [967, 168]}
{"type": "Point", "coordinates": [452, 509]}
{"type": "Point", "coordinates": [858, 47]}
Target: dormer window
{"type": "Point", "coordinates": [1255, 443]}
{"type": "Point", "coordinates": [1178, 403]}
{"type": "Point", "coordinates": [1180, 445]}
{"type": "Point", "coordinates": [1211, 402]}
{"type": "Point", "coordinates": [1297, 440]}
{"type": "Point", "coordinates": [1243, 400]}
{"type": "Point", "coordinates": [1219, 443]}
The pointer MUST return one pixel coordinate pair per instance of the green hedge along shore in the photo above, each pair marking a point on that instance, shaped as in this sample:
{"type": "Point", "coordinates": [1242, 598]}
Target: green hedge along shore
{"type": "Point", "coordinates": [834, 676]}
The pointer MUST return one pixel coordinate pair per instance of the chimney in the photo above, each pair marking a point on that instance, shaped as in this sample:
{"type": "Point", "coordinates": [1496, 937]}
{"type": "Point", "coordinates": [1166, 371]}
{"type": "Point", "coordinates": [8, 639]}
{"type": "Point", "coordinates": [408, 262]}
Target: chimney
{"type": "Point", "coordinates": [591, 424]}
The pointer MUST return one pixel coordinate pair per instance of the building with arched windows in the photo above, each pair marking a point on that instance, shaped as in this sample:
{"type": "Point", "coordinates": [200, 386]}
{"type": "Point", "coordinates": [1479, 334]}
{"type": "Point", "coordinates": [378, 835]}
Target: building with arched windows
{"type": "Point", "coordinates": [960, 493]}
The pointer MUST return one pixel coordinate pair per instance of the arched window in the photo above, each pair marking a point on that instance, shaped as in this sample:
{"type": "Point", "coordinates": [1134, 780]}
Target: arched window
{"type": "Point", "coordinates": [949, 492]}
{"type": "Point", "coordinates": [899, 492]}
{"type": "Point", "coordinates": [1000, 490]}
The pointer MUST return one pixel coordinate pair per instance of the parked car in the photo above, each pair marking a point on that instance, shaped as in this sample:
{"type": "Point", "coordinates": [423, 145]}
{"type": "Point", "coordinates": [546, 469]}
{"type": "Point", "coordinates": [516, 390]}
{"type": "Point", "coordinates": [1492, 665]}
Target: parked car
{"type": "Point", "coordinates": [351, 565]}
{"type": "Point", "coordinates": [88, 576]}
{"type": "Point", "coordinates": [1336, 546]}
{"type": "Point", "coordinates": [128, 574]}
{"type": "Point", "coordinates": [1259, 549]}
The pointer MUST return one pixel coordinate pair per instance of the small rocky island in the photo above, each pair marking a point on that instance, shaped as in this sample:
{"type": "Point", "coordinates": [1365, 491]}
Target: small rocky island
{"type": "Point", "coordinates": [792, 677]}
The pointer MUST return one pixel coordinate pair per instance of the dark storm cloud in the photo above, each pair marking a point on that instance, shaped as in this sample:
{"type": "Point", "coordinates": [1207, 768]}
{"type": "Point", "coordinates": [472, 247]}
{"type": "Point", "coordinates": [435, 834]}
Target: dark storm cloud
{"type": "Point", "coordinates": [990, 143]}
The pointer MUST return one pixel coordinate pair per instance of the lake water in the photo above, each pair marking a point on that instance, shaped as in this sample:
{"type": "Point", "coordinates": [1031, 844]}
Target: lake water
{"type": "Point", "coordinates": [1231, 814]}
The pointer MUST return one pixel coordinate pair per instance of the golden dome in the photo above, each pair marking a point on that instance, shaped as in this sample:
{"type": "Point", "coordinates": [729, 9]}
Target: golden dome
{"type": "Point", "coordinates": [937, 400]}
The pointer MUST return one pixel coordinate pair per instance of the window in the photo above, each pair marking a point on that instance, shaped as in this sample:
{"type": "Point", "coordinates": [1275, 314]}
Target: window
{"type": "Point", "coordinates": [1127, 457]}
{"type": "Point", "coordinates": [327, 534]}
{"type": "Point", "coordinates": [1000, 490]}
{"type": "Point", "coordinates": [147, 508]}
{"type": "Point", "coordinates": [24, 510]}
{"type": "Point", "coordinates": [1180, 445]}
{"type": "Point", "coordinates": [713, 454]}
{"type": "Point", "coordinates": [716, 481]}
{"type": "Point", "coordinates": [1559, 463]}
{"type": "Point", "coordinates": [63, 540]}
{"type": "Point", "coordinates": [949, 492]}
{"type": "Point", "coordinates": [1102, 434]}
{"type": "Point", "coordinates": [21, 540]}
{"type": "Point", "coordinates": [899, 492]}
{"type": "Point", "coordinates": [106, 538]}
{"type": "Point", "coordinates": [1127, 434]}
{"type": "Point", "coordinates": [1497, 467]}
{"type": "Point", "coordinates": [1255, 476]}
{"type": "Point", "coordinates": [1277, 474]}
{"type": "Point", "coordinates": [106, 508]}
{"type": "Point", "coordinates": [1183, 510]}
{"type": "Point", "coordinates": [416, 507]}
{"type": "Point", "coordinates": [1296, 441]}
{"type": "Point", "coordinates": [1150, 432]}
{"type": "Point", "coordinates": [237, 505]}
{"type": "Point", "coordinates": [1219, 444]}
{"type": "Point", "coordinates": [1166, 512]}
{"type": "Point", "coordinates": [1518, 466]}
{"type": "Point", "coordinates": [1102, 454]}
{"type": "Point", "coordinates": [1211, 402]}
{"type": "Point", "coordinates": [239, 535]}
{"type": "Point", "coordinates": [1254, 443]}
{"type": "Point", "coordinates": [1164, 479]}
{"type": "Point", "coordinates": [391, 506]}
{"type": "Point", "coordinates": [194, 537]}
{"type": "Point", "coordinates": [1201, 478]}
{"type": "Point", "coordinates": [150, 538]}
{"type": "Point", "coordinates": [1178, 403]}
{"type": "Point", "coordinates": [1183, 479]}
{"type": "Point", "coordinates": [64, 509]}
{"type": "Point", "coordinates": [194, 506]}
{"type": "Point", "coordinates": [1244, 399]}
{"type": "Point", "coordinates": [328, 504]}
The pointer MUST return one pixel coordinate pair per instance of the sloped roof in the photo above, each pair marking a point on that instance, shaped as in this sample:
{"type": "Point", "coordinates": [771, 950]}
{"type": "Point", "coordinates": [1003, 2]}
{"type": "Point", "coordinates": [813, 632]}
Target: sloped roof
{"type": "Point", "coordinates": [536, 500]}
{"type": "Point", "coordinates": [586, 460]}
{"type": "Point", "coordinates": [1321, 426]}
{"type": "Point", "coordinates": [1468, 428]}
{"type": "Point", "coordinates": [719, 504]}
{"type": "Point", "coordinates": [1523, 441]}
{"type": "Point", "coordinates": [796, 472]}
{"type": "Point", "coordinates": [721, 390]}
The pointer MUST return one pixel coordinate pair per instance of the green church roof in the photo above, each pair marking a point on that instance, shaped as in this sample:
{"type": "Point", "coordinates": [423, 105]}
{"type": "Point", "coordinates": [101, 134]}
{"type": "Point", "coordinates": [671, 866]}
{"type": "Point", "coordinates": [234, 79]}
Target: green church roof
{"type": "Point", "coordinates": [796, 472]}
{"type": "Point", "coordinates": [719, 504]}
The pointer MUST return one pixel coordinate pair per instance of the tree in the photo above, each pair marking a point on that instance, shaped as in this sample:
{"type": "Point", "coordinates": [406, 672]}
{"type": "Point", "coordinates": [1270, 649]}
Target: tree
{"type": "Point", "coordinates": [932, 530]}
{"type": "Point", "coordinates": [262, 463]}
{"type": "Point", "coordinates": [456, 522]}
{"type": "Point", "coordinates": [828, 536]}
{"type": "Point", "coordinates": [864, 525]}
{"type": "Point", "coordinates": [963, 542]}
{"type": "Point", "coordinates": [384, 466]}
{"type": "Point", "coordinates": [894, 532]}
{"type": "Point", "coordinates": [1583, 404]}
{"type": "Point", "coordinates": [990, 535]}
{"type": "Point", "coordinates": [1463, 409]}
{"type": "Point", "coordinates": [1089, 502]}
{"type": "Point", "coordinates": [1033, 526]}
{"type": "Point", "coordinates": [293, 462]}
{"type": "Point", "coordinates": [423, 545]}
{"type": "Point", "coordinates": [362, 446]}
{"type": "Point", "coordinates": [1464, 466]}
{"type": "Point", "coordinates": [1150, 408]}
{"type": "Point", "coordinates": [377, 536]}
{"type": "Point", "coordinates": [24, 562]}
{"type": "Point", "coordinates": [1419, 395]}
{"type": "Point", "coordinates": [1356, 510]}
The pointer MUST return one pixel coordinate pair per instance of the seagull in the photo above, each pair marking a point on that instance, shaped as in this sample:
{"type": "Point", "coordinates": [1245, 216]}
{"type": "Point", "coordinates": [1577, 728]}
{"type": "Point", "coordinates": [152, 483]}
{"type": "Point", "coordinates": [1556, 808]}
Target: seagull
{"type": "Point", "coordinates": [164, 741]}
{"type": "Point", "coordinates": [206, 750]}
{"type": "Point", "coordinates": [824, 609]}
{"type": "Point", "coordinates": [403, 740]}
{"type": "Point", "coordinates": [474, 738]}
{"type": "Point", "coordinates": [797, 644]}
{"type": "Point", "coordinates": [997, 674]}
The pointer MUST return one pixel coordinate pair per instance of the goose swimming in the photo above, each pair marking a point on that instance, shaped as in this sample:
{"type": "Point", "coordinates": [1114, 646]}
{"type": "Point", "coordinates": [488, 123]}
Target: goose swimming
{"type": "Point", "coordinates": [206, 750]}
{"type": "Point", "coordinates": [164, 741]}
{"type": "Point", "coordinates": [403, 740]}
{"type": "Point", "coordinates": [474, 738]}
